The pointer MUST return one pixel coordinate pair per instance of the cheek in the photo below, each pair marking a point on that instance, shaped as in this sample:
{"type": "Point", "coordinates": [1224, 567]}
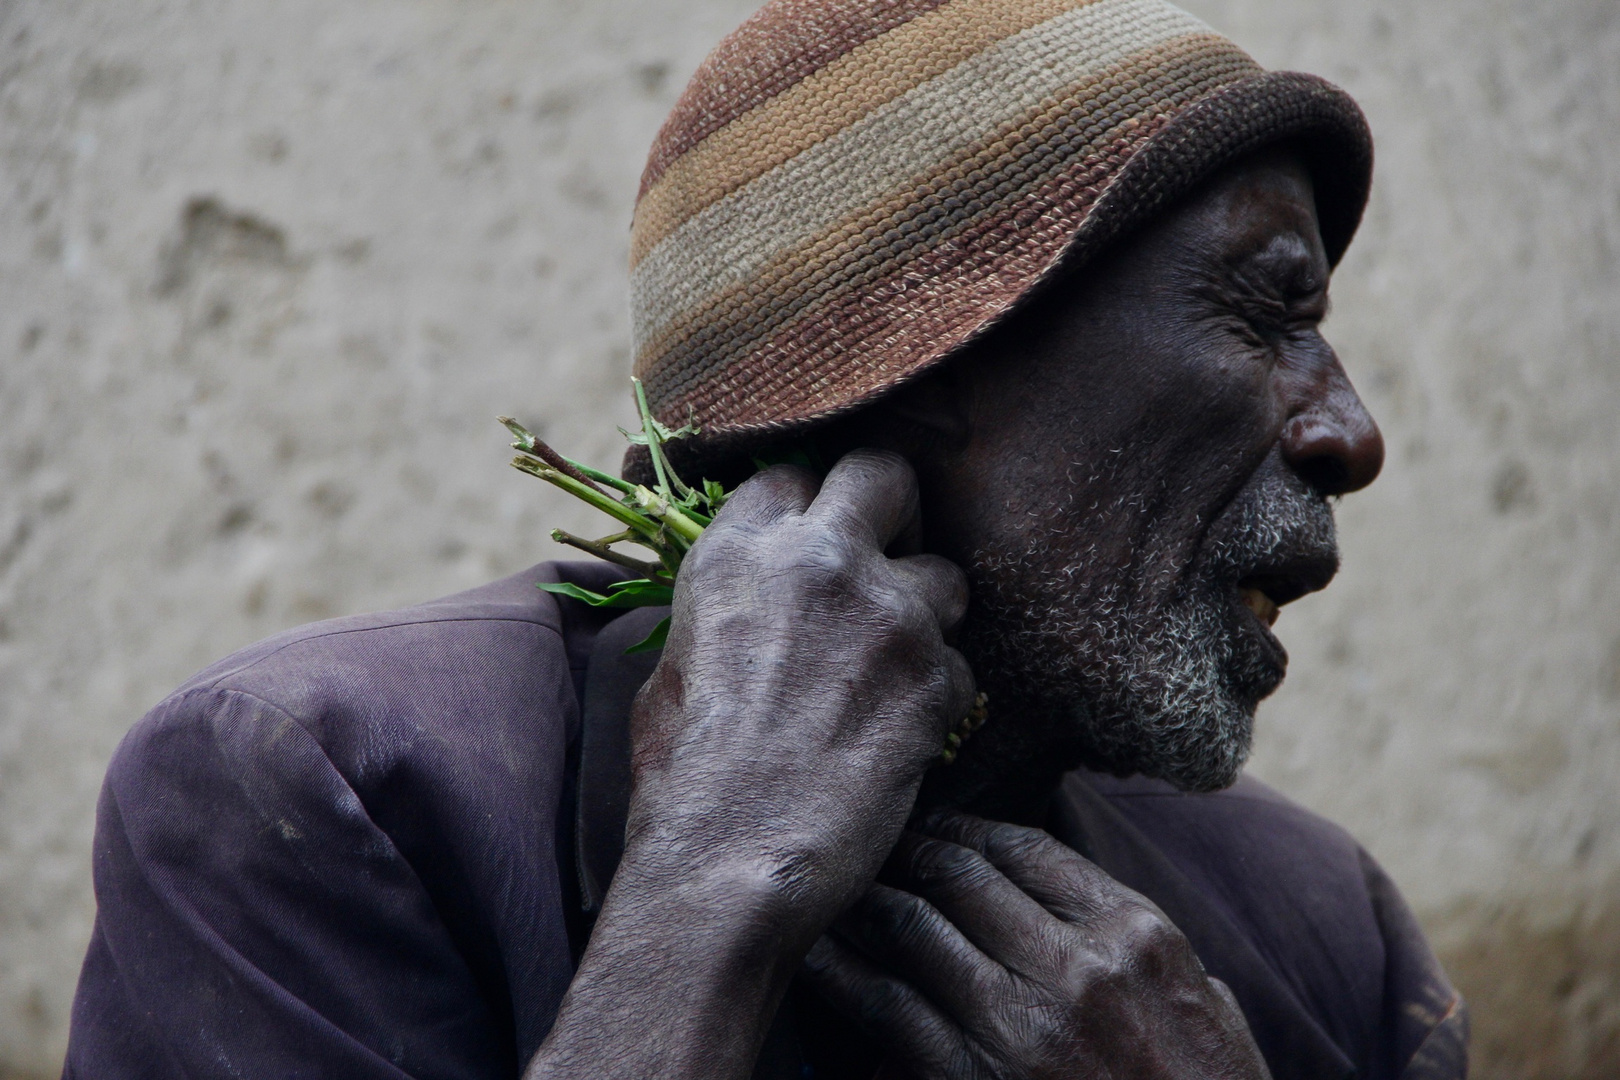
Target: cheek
{"type": "Point", "coordinates": [1214, 412]}
{"type": "Point", "coordinates": [1126, 456]}
{"type": "Point", "coordinates": [1194, 443]}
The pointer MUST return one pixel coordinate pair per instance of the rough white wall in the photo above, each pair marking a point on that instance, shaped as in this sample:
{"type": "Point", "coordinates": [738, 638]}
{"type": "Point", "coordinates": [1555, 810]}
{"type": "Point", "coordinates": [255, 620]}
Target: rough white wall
{"type": "Point", "coordinates": [267, 271]}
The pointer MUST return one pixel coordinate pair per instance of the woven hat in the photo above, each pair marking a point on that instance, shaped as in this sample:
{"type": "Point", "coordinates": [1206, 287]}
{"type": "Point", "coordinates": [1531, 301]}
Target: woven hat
{"type": "Point", "coordinates": [848, 190]}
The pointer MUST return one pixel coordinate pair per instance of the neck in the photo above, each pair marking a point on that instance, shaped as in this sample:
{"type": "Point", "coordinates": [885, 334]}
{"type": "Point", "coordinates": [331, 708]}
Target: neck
{"type": "Point", "coordinates": [1010, 768]}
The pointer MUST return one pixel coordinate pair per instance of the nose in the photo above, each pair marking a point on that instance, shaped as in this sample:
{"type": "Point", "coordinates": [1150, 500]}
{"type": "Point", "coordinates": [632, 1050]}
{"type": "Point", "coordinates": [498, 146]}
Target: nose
{"type": "Point", "coordinates": [1334, 443]}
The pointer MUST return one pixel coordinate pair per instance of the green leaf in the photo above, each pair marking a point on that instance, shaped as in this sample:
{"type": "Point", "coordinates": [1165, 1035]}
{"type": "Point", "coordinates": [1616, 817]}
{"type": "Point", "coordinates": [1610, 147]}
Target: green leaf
{"type": "Point", "coordinates": [642, 592]}
{"type": "Point", "coordinates": [654, 640]}
{"type": "Point", "coordinates": [639, 438]}
{"type": "Point", "coordinates": [638, 592]}
{"type": "Point", "coordinates": [568, 588]}
{"type": "Point", "coordinates": [662, 433]}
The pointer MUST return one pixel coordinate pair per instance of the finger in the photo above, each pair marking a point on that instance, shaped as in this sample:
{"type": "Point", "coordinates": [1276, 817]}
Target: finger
{"type": "Point", "coordinates": [891, 1011]}
{"type": "Point", "coordinates": [937, 582]}
{"type": "Point", "coordinates": [770, 494]}
{"type": "Point", "coordinates": [908, 936]}
{"type": "Point", "coordinates": [1056, 876]}
{"type": "Point", "coordinates": [873, 492]}
{"type": "Point", "coordinates": [1001, 921]}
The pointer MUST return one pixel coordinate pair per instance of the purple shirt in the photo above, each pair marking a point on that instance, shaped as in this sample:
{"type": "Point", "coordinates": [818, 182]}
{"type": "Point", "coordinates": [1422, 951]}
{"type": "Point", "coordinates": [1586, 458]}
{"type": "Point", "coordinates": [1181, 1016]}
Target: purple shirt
{"type": "Point", "coordinates": [372, 847]}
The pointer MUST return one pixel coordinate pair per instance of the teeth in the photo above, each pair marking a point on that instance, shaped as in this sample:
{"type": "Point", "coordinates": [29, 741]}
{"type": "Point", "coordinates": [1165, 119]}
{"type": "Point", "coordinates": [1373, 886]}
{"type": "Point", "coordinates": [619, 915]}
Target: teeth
{"type": "Point", "coordinates": [1264, 608]}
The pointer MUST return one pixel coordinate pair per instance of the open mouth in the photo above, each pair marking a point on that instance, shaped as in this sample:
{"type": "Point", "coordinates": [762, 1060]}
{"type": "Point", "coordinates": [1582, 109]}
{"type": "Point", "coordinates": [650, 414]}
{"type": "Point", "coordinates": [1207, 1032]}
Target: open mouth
{"type": "Point", "coordinates": [1264, 607]}
{"type": "Point", "coordinates": [1265, 592]}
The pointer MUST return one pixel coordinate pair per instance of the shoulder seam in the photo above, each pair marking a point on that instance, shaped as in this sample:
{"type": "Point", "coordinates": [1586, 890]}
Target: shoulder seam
{"type": "Point", "coordinates": [214, 689]}
{"type": "Point", "coordinates": [256, 661]}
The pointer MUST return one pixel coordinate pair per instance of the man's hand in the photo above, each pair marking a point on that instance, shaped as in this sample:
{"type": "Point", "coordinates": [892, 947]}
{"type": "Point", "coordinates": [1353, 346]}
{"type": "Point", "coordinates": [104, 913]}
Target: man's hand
{"type": "Point", "coordinates": [995, 951]}
{"type": "Point", "coordinates": [805, 687]}
{"type": "Point", "coordinates": [777, 751]}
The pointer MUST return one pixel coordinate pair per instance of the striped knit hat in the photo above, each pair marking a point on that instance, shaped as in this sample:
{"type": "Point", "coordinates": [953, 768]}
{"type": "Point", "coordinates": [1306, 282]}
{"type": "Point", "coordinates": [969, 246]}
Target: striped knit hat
{"type": "Point", "coordinates": [850, 189]}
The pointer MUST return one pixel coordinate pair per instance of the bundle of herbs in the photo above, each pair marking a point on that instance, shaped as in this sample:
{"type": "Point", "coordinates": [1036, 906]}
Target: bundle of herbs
{"type": "Point", "coordinates": [664, 520]}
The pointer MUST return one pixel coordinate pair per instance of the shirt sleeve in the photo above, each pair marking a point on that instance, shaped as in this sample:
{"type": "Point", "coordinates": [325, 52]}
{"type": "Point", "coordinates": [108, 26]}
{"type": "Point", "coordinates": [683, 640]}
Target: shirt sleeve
{"type": "Point", "coordinates": [253, 920]}
{"type": "Point", "coordinates": [1425, 1018]}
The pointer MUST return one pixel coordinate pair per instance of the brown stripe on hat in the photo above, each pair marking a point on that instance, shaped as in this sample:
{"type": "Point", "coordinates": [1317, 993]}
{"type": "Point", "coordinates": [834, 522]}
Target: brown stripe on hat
{"type": "Point", "coordinates": [806, 241]}
{"type": "Point", "coordinates": [825, 102]}
{"type": "Point", "coordinates": [781, 44]}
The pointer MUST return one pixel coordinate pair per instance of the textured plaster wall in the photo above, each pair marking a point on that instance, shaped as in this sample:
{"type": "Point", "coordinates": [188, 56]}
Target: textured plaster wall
{"type": "Point", "coordinates": [267, 271]}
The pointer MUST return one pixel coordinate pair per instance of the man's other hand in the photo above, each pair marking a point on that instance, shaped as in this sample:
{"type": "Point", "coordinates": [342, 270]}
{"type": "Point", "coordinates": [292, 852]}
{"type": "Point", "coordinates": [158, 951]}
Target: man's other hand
{"type": "Point", "coordinates": [994, 951]}
{"type": "Point", "coordinates": [805, 687]}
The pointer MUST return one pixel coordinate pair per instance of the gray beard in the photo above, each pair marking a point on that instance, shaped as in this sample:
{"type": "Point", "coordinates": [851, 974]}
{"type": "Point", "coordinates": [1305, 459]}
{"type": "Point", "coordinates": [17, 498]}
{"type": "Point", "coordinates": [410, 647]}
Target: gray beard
{"type": "Point", "coordinates": [1165, 686]}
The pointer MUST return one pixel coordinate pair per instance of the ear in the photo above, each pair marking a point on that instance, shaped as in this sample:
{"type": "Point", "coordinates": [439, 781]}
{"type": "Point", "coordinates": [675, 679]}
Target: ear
{"type": "Point", "coordinates": [937, 403]}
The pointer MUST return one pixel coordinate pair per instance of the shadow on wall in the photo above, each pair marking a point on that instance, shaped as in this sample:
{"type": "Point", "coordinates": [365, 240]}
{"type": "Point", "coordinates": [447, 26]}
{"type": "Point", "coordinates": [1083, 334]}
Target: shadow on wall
{"type": "Point", "coordinates": [1542, 979]}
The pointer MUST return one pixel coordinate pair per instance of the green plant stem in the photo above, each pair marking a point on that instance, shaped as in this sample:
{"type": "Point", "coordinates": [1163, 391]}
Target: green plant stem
{"type": "Point", "coordinates": [655, 447]}
{"type": "Point", "coordinates": [637, 522]}
{"type": "Point", "coordinates": [603, 478]}
{"type": "Point", "coordinates": [531, 444]}
{"type": "Point", "coordinates": [599, 548]}
{"type": "Point", "coordinates": [661, 508]}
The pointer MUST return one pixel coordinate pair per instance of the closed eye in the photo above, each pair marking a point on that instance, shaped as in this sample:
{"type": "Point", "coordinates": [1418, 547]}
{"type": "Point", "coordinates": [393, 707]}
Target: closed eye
{"type": "Point", "coordinates": [1269, 296]}
{"type": "Point", "coordinates": [1270, 318]}
{"type": "Point", "coordinates": [1282, 287]}
{"type": "Point", "coordinates": [1276, 317]}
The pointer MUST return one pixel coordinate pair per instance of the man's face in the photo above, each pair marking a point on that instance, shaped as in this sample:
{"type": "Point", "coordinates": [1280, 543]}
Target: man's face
{"type": "Point", "coordinates": [1144, 480]}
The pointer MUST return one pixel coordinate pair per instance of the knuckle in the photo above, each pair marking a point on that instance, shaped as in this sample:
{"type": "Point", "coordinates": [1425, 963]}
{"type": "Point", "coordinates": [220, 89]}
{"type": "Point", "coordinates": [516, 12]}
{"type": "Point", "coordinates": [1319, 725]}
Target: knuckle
{"type": "Point", "coordinates": [883, 462]}
{"type": "Point", "coordinates": [828, 568]}
{"type": "Point", "coordinates": [943, 864]}
{"type": "Point", "coordinates": [780, 482]}
{"type": "Point", "coordinates": [728, 540]}
{"type": "Point", "coordinates": [1019, 843]}
{"type": "Point", "coordinates": [885, 601]}
{"type": "Point", "coordinates": [817, 552]}
{"type": "Point", "coordinates": [940, 578]}
{"type": "Point", "coordinates": [785, 473]}
{"type": "Point", "coordinates": [952, 579]}
{"type": "Point", "coordinates": [714, 546]}
{"type": "Point", "coordinates": [1223, 994]}
{"type": "Point", "coordinates": [910, 919]}
{"type": "Point", "coordinates": [1149, 936]}
{"type": "Point", "coordinates": [911, 616]}
{"type": "Point", "coordinates": [1093, 981]}
{"type": "Point", "coordinates": [868, 479]}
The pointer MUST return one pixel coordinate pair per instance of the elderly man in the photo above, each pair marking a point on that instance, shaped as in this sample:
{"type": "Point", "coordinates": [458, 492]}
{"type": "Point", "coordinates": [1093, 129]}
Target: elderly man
{"type": "Point", "coordinates": [1043, 279]}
